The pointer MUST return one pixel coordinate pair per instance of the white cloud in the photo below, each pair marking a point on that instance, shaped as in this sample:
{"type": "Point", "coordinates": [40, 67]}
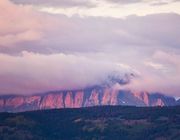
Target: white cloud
{"type": "Point", "coordinates": [116, 10]}
{"type": "Point", "coordinates": [156, 66]}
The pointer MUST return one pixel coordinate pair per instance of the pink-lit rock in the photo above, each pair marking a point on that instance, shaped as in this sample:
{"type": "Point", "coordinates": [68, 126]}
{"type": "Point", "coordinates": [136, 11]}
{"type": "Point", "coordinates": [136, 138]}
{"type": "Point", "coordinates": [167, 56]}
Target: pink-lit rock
{"type": "Point", "coordinates": [52, 101]}
{"type": "Point", "coordinates": [158, 102]}
{"type": "Point", "coordinates": [114, 97]}
{"type": "Point", "coordinates": [69, 100]}
{"type": "Point", "coordinates": [78, 100]}
{"type": "Point", "coordinates": [143, 96]}
{"type": "Point", "coordinates": [1, 102]}
{"type": "Point", "coordinates": [33, 99]}
{"type": "Point", "coordinates": [83, 98]}
{"type": "Point", "coordinates": [15, 102]}
{"type": "Point", "coordinates": [93, 99]}
{"type": "Point", "coordinates": [106, 99]}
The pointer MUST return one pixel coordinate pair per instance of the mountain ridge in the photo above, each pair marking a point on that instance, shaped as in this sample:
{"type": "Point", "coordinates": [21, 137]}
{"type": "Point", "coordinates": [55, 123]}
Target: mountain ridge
{"type": "Point", "coordinates": [96, 96]}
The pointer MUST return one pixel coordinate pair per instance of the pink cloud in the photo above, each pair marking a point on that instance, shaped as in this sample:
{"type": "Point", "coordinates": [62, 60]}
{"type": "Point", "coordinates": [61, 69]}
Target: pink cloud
{"type": "Point", "coordinates": [18, 23]}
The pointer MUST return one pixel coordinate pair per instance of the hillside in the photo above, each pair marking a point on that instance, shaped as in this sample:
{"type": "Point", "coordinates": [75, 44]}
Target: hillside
{"type": "Point", "coordinates": [94, 123]}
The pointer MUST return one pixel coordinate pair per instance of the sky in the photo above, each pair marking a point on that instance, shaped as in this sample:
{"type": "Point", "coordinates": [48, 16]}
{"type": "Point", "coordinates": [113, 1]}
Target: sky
{"type": "Point", "coordinates": [50, 45]}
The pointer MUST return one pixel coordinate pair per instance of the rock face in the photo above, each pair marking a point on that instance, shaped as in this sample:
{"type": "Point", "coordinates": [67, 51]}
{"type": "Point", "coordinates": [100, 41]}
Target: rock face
{"type": "Point", "coordinates": [83, 98]}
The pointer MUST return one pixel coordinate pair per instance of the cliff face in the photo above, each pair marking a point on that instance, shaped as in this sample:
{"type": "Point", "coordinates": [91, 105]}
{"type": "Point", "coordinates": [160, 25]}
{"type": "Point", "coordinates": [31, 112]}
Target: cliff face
{"type": "Point", "coordinates": [83, 98]}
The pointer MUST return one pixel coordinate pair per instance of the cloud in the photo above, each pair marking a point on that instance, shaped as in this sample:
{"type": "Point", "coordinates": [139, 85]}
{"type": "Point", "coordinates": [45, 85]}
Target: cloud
{"type": "Point", "coordinates": [154, 65]}
{"type": "Point", "coordinates": [33, 72]}
{"type": "Point", "coordinates": [88, 3]}
{"type": "Point", "coordinates": [45, 33]}
{"type": "Point", "coordinates": [41, 51]}
{"type": "Point", "coordinates": [18, 24]}
{"type": "Point", "coordinates": [125, 1]}
{"type": "Point", "coordinates": [22, 28]}
{"type": "Point", "coordinates": [161, 75]}
{"type": "Point", "coordinates": [30, 72]}
{"type": "Point", "coordinates": [151, 2]}
{"type": "Point", "coordinates": [11, 39]}
{"type": "Point", "coordinates": [163, 2]}
{"type": "Point", "coordinates": [56, 3]}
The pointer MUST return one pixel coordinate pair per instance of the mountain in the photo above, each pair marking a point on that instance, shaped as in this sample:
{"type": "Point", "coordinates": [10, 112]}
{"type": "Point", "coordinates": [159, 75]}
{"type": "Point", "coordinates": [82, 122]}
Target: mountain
{"type": "Point", "coordinates": [178, 102]}
{"type": "Point", "coordinates": [93, 123]}
{"type": "Point", "coordinates": [95, 96]}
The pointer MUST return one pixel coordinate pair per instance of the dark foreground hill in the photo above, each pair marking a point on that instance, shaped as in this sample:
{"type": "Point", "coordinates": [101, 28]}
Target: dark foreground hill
{"type": "Point", "coordinates": [94, 123]}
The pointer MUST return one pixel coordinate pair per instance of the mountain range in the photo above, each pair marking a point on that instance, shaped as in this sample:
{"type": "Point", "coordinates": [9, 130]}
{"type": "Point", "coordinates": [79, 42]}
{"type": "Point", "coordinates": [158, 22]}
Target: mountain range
{"type": "Point", "coordinates": [94, 96]}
